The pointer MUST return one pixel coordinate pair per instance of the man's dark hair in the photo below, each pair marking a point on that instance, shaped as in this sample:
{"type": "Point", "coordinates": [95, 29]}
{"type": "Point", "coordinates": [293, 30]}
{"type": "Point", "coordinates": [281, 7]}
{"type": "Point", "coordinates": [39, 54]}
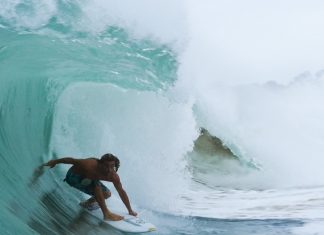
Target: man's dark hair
{"type": "Point", "coordinates": [110, 157]}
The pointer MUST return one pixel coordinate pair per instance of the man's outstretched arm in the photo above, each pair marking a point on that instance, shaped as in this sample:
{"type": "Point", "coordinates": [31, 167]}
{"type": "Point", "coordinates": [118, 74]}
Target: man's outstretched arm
{"type": "Point", "coordinates": [123, 195]}
{"type": "Point", "coordinates": [66, 160]}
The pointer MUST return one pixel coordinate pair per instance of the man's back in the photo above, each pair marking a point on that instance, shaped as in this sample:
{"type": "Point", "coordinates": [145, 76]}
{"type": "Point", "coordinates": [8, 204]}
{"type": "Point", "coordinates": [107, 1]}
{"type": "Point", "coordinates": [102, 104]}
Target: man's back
{"type": "Point", "coordinates": [90, 168]}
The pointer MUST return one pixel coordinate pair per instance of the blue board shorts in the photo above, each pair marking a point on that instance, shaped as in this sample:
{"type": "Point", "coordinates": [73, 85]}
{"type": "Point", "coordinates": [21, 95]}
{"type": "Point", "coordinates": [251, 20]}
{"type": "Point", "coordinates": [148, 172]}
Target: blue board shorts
{"type": "Point", "coordinates": [83, 184]}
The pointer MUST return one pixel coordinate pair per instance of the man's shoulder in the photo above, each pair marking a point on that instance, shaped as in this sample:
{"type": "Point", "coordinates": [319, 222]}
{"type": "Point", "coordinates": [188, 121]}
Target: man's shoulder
{"type": "Point", "coordinates": [89, 159]}
{"type": "Point", "coordinates": [86, 161]}
{"type": "Point", "coordinates": [115, 177]}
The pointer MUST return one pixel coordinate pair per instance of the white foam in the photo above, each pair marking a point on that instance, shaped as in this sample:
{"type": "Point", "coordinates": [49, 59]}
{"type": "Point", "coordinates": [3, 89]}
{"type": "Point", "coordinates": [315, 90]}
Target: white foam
{"type": "Point", "coordinates": [28, 15]}
{"type": "Point", "coordinates": [312, 228]}
{"type": "Point", "coordinates": [163, 21]}
{"type": "Point", "coordinates": [279, 127]}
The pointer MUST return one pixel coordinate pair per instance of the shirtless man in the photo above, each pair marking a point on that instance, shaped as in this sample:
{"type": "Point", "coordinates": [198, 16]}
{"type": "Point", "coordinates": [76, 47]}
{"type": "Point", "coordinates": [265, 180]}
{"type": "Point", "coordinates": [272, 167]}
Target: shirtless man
{"type": "Point", "coordinates": [85, 175]}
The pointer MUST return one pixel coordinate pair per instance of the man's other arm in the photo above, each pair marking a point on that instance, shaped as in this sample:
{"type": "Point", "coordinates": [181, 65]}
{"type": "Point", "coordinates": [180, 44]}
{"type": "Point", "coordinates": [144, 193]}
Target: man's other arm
{"type": "Point", "coordinates": [65, 160]}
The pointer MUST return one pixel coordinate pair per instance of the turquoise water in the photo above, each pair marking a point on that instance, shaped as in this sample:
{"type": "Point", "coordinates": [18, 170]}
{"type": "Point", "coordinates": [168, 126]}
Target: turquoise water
{"type": "Point", "coordinates": [35, 69]}
{"type": "Point", "coordinates": [69, 90]}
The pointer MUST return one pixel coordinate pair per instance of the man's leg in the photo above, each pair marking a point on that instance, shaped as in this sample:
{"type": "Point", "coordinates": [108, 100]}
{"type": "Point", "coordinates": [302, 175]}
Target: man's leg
{"type": "Point", "coordinates": [92, 199]}
{"type": "Point", "coordinates": [100, 198]}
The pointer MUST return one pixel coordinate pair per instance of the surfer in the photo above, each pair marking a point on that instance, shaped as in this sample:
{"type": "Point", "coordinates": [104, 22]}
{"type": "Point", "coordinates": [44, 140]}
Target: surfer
{"type": "Point", "coordinates": [85, 175]}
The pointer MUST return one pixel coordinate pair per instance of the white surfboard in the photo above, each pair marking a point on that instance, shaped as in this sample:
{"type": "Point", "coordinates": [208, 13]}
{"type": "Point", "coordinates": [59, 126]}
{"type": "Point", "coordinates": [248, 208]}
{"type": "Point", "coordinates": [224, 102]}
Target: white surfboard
{"type": "Point", "coordinates": [129, 224]}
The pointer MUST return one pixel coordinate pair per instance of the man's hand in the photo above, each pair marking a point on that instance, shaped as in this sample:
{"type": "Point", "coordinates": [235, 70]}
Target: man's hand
{"type": "Point", "coordinates": [132, 213]}
{"type": "Point", "coordinates": [51, 163]}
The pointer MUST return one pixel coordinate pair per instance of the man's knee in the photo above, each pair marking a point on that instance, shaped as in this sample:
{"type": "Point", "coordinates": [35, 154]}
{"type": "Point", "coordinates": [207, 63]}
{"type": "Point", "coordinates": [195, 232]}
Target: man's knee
{"type": "Point", "coordinates": [107, 194]}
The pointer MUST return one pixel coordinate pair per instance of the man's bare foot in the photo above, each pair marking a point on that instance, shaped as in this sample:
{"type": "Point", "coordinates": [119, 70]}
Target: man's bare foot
{"type": "Point", "coordinates": [113, 217]}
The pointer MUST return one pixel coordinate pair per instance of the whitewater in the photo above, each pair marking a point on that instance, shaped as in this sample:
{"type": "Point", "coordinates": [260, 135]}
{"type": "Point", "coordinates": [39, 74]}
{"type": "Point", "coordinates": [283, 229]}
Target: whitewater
{"type": "Point", "coordinates": [215, 109]}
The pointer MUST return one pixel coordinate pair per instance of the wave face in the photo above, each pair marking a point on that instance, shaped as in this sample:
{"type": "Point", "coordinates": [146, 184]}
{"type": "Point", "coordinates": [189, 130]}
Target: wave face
{"type": "Point", "coordinates": [59, 84]}
{"type": "Point", "coordinates": [84, 78]}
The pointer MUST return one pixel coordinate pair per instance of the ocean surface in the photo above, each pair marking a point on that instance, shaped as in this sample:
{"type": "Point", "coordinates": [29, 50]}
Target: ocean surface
{"type": "Point", "coordinates": [214, 109]}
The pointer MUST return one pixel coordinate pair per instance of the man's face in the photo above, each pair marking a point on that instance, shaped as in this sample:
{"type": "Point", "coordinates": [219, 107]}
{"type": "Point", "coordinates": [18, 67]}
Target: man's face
{"type": "Point", "coordinates": [110, 165]}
